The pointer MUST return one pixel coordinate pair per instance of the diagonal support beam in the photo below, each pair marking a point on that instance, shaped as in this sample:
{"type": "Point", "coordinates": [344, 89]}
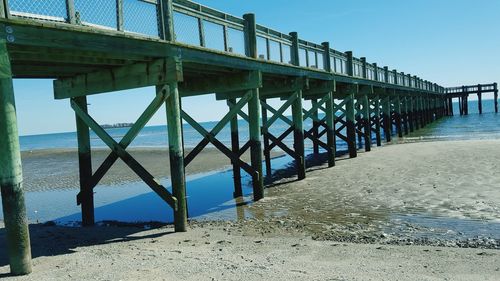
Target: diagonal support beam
{"type": "Point", "coordinates": [141, 122]}
{"type": "Point", "coordinates": [207, 135]}
{"type": "Point", "coordinates": [216, 130]}
{"type": "Point", "coordinates": [281, 110]}
{"type": "Point", "coordinates": [149, 179]}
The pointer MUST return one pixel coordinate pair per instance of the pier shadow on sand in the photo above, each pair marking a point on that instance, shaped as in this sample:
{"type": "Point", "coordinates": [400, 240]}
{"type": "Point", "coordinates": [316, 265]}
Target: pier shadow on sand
{"type": "Point", "coordinates": [210, 196]}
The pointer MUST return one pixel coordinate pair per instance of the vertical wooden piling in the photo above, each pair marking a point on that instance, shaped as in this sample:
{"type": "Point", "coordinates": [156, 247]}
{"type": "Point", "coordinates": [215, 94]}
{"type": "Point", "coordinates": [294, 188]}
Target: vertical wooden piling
{"type": "Point", "coordinates": [367, 122]}
{"type": "Point", "coordinates": [495, 93]}
{"type": "Point", "coordinates": [316, 125]}
{"type": "Point", "coordinates": [330, 116]}
{"type": "Point", "coordinates": [351, 126]}
{"type": "Point", "coordinates": [250, 30]}
{"type": "Point", "coordinates": [298, 136]}
{"type": "Point", "coordinates": [397, 115]}
{"type": "Point", "coordinates": [85, 165]}
{"type": "Point", "coordinates": [267, 152]}
{"type": "Point", "coordinates": [350, 110]}
{"type": "Point", "coordinates": [450, 107]}
{"type": "Point", "coordinates": [11, 179]}
{"type": "Point", "coordinates": [479, 99]}
{"type": "Point", "coordinates": [405, 115]}
{"type": "Point", "coordinates": [377, 120]}
{"type": "Point", "coordinates": [411, 110]}
{"type": "Point", "coordinates": [176, 153]}
{"type": "Point", "coordinates": [235, 148]}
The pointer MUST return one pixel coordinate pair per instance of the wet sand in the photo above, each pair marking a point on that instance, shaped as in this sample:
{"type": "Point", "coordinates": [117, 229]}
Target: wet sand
{"type": "Point", "coordinates": [54, 169]}
{"type": "Point", "coordinates": [375, 197]}
{"type": "Point", "coordinates": [305, 229]}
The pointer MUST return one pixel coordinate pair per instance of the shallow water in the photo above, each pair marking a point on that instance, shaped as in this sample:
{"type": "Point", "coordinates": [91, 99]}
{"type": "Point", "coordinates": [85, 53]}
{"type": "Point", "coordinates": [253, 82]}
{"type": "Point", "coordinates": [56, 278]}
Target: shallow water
{"type": "Point", "coordinates": [211, 195]}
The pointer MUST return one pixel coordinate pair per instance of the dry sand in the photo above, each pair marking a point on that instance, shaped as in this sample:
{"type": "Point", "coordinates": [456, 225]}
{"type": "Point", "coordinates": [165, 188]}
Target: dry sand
{"type": "Point", "coordinates": [295, 231]}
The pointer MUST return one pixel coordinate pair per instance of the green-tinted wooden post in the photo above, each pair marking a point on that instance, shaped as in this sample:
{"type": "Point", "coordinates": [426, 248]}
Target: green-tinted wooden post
{"type": "Point", "coordinates": [330, 116]}
{"type": "Point", "coordinates": [495, 85]}
{"type": "Point", "coordinates": [70, 11]}
{"type": "Point", "coordinates": [397, 107]}
{"type": "Point", "coordinates": [480, 99]}
{"type": "Point", "coordinates": [397, 115]}
{"type": "Point", "coordinates": [85, 165]}
{"type": "Point", "coordinates": [2, 9]}
{"type": "Point", "coordinates": [315, 123]}
{"type": "Point", "coordinates": [367, 122]}
{"type": "Point", "coordinates": [386, 109]}
{"type": "Point", "coordinates": [411, 109]}
{"type": "Point", "coordinates": [254, 111]}
{"type": "Point", "coordinates": [11, 178]}
{"type": "Point", "coordinates": [297, 115]}
{"type": "Point", "coordinates": [450, 107]}
{"type": "Point", "coordinates": [350, 110]}
{"type": "Point", "coordinates": [267, 152]}
{"type": "Point", "coordinates": [119, 15]}
{"type": "Point", "coordinates": [176, 153]}
{"type": "Point", "coordinates": [365, 104]}
{"type": "Point", "coordinates": [376, 111]}
{"type": "Point", "coordinates": [404, 110]}
{"type": "Point", "coordinates": [235, 148]}
{"type": "Point", "coordinates": [166, 20]}
{"type": "Point", "coordinates": [298, 135]}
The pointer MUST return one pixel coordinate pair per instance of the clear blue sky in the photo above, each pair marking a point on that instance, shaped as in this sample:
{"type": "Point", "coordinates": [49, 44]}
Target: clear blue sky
{"type": "Point", "coordinates": [450, 42]}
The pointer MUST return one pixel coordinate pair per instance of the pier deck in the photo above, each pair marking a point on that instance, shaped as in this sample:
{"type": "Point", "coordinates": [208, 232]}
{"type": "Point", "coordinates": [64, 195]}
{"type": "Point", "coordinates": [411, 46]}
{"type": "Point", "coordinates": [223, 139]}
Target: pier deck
{"type": "Point", "coordinates": [186, 49]}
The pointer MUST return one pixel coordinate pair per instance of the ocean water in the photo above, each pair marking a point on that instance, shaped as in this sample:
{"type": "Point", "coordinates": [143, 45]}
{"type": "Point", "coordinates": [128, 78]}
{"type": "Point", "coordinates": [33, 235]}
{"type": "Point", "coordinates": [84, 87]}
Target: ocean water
{"type": "Point", "coordinates": [471, 126]}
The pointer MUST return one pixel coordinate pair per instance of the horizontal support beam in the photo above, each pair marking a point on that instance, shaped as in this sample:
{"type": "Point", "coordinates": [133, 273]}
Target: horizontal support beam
{"type": "Point", "coordinates": [161, 71]}
{"type": "Point", "coordinates": [227, 83]}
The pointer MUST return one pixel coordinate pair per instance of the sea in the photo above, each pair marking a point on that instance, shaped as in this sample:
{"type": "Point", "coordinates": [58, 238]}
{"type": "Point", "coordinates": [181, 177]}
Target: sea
{"type": "Point", "coordinates": [210, 195]}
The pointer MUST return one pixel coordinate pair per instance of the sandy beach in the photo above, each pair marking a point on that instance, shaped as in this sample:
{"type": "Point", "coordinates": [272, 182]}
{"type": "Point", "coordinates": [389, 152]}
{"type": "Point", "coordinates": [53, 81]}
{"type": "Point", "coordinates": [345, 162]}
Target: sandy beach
{"type": "Point", "coordinates": [53, 169]}
{"type": "Point", "coordinates": [338, 224]}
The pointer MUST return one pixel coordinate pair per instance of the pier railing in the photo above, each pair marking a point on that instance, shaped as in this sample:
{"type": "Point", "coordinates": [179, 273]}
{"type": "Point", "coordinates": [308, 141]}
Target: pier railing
{"type": "Point", "coordinates": [201, 26]}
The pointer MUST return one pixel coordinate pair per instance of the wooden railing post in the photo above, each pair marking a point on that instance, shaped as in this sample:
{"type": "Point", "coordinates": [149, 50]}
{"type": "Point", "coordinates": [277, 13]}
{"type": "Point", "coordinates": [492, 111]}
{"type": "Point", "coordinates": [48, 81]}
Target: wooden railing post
{"type": "Point", "coordinates": [119, 15]}
{"type": "Point", "coordinates": [364, 73]}
{"type": "Point", "coordinates": [70, 11]}
{"type": "Point", "coordinates": [166, 19]}
{"type": "Point", "coordinates": [254, 114]}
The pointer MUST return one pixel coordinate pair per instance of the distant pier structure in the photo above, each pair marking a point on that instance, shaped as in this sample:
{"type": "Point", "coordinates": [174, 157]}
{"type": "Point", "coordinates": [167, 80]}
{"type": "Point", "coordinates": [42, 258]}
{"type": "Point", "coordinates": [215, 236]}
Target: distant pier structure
{"type": "Point", "coordinates": [463, 93]}
{"type": "Point", "coordinates": [185, 49]}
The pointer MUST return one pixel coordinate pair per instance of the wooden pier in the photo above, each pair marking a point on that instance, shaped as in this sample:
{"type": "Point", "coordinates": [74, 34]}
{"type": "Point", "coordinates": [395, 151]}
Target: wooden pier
{"type": "Point", "coordinates": [462, 94]}
{"type": "Point", "coordinates": [185, 49]}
